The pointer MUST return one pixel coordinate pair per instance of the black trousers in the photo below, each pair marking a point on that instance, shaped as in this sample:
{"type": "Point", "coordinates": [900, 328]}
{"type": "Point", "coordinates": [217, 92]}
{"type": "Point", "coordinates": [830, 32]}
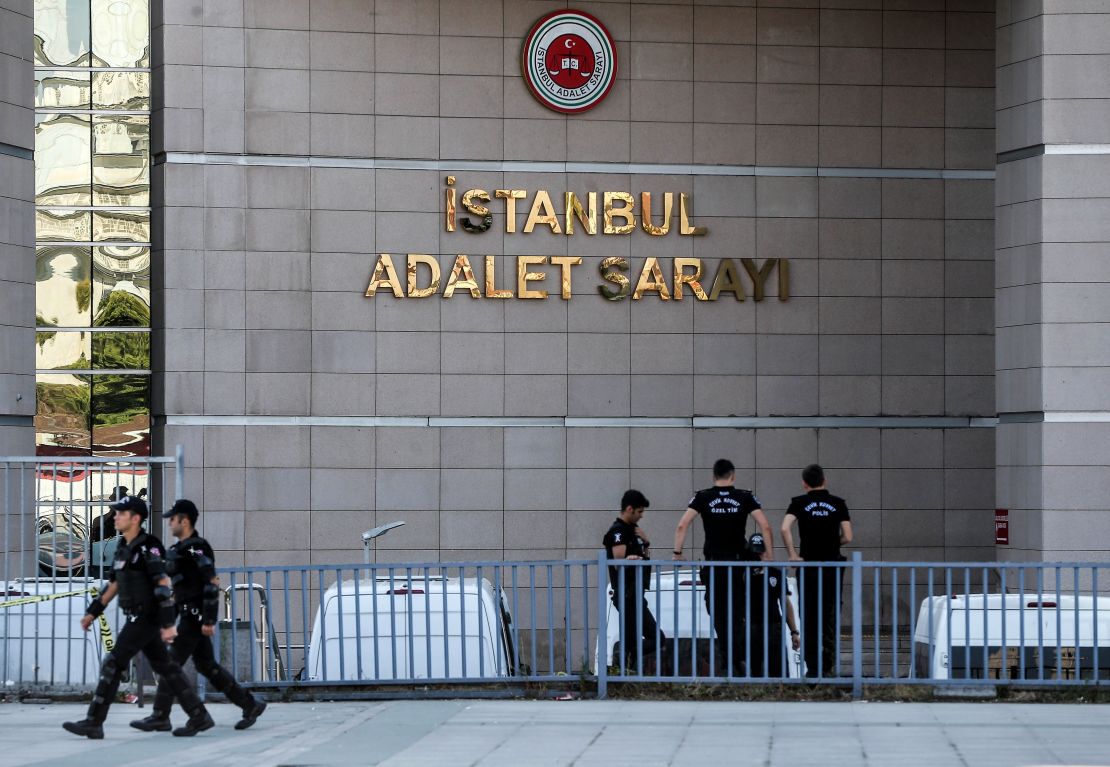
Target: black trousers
{"type": "Point", "coordinates": [191, 643]}
{"type": "Point", "coordinates": [141, 634]}
{"type": "Point", "coordinates": [819, 593]}
{"type": "Point", "coordinates": [772, 633]}
{"type": "Point", "coordinates": [719, 600]}
{"type": "Point", "coordinates": [637, 633]}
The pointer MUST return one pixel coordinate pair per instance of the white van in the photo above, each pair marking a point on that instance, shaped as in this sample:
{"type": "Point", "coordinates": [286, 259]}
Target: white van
{"type": "Point", "coordinates": [677, 600]}
{"type": "Point", "coordinates": [399, 629]}
{"type": "Point", "coordinates": [42, 643]}
{"type": "Point", "coordinates": [962, 636]}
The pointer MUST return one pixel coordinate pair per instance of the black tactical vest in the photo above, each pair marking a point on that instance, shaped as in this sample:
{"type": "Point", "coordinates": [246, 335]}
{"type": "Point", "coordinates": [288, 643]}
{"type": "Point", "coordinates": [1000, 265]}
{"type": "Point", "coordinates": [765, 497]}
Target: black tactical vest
{"type": "Point", "coordinates": [136, 592]}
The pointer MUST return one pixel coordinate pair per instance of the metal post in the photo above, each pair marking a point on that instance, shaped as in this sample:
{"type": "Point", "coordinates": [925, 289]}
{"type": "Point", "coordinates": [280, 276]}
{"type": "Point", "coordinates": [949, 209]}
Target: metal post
{"type": "Point", "coordinates": [178, 473]}
{"type": "Point", "coordinates": [857, 625]}
{"type": "Point", "coordinates": [602, 628]}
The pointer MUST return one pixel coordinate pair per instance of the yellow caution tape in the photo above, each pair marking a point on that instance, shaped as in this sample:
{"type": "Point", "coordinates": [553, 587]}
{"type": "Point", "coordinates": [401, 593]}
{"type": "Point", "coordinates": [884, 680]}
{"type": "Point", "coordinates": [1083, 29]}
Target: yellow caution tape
{"type": "Point", "coordinates": [106, 633]}
{"type": "Point", "coordinates": [47, 597]}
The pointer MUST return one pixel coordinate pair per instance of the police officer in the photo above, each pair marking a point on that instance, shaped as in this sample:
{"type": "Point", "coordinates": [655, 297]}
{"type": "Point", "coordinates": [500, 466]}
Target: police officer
{"type": "Point", "coordinates": [139, 577]}
{"type": "Point", "coordinates": [825, 526]}
{"type": "Point", "coordinates": [768, 608]}
{"type": "Point", "coordinates": [192, 568]}
{"type": "Point", "coordinates": [625, 540]}
{"type": "Point", "coordinates": [724, 511]}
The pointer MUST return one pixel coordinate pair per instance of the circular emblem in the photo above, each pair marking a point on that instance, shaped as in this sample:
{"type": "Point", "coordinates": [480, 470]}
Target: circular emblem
{"type": "Point", "coordinates": [569, 61]}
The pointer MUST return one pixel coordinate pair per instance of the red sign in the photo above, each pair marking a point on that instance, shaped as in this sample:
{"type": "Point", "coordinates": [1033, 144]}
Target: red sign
{"type": "Point", "coordinates": [1002, 527]}
{"type": "Point", "coordinates": [569, 61]}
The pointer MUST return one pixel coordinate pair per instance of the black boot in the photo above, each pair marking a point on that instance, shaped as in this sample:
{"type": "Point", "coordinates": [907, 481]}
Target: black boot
{"type": "Point", "coordinates": [251, 714]}
{"type": "Point", "coordinates": [158, 721]}
{"type": "Point", "coordinates": [199, 721]}
{"type": "Point", "coordinates": [89, 728]}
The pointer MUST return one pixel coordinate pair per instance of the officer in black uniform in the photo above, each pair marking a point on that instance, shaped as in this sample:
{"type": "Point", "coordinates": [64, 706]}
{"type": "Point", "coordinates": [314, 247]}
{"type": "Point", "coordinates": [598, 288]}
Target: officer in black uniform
{"type": "Point", "coordinates": [625, 540]}
{"type": "Point", "coordinates": [825, 525]}
{"type": "Point", "coordinates": [192, 568]}
{"type": "Point", "coordinates": [768, 609]}
{"type": "Point", "coordinates": [724, 512]}
{"type": "Point", "coordinates": [139, 577]}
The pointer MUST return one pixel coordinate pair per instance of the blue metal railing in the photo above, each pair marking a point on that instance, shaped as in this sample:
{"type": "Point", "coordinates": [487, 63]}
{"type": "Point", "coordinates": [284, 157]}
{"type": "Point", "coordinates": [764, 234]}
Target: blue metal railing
{"type": "Point", "coordinates": [860, 623]}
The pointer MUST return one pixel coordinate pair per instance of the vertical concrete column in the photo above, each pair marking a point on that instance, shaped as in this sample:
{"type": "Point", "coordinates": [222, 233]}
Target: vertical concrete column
{"type": "Point", "coordinates": [1053, 279]}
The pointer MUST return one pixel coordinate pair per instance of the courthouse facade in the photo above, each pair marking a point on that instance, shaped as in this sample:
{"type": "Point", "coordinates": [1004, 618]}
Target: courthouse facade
{"type": "Point", "coordinates": [370, 260]}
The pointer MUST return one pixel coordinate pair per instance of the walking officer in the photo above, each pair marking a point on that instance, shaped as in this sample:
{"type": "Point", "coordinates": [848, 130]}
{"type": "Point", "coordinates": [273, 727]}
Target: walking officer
{"type": "Point", "coordinates": [138, 576]}
{"type": "Point", "coordinates": [192, 568]}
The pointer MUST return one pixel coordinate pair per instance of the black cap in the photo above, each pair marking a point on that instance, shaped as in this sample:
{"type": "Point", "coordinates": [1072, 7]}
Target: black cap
{"type": "Point", "coordinates": [635, 499]}
{"type": "Point", "coordinates": [131, 503]}
{"type": "Point", "coordinates": [186, 507]}
{"type": "Point", "coordinates": [119, 493]}
{"type": "Point", "coordinates": [756, 544]}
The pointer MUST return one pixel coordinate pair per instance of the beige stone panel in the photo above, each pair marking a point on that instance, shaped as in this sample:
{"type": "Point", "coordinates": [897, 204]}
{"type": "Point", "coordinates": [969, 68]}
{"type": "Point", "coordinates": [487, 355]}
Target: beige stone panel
{"type": "Point", "coordinates": [724, 63]}
{"type": "Point", "coordinates": [913, 239]}
{"type": "Point", "coordinates": [182, 86]}
{"type": "Point", "coordinates": [913, 29]}
{"type": "Point", "coordinates": [788, 26]}
{"type": "Point", "coordinates": [850, 238]}
{"type": "Point", "coordinates": [661, 61]}
{"type": "Point", "coordinates": [342, 92]}
{"type": "Point", "coordinates": [794, 354]}
{"type": "Point", "coordinates": [182, 130]}
{"type": "Point", "coordinates": [797, 316]}
{"type": "Point", "coordinates": [471, 138]}
{"type": "Point", "coordinates": [481, 18]}
{"type": "Point", "coordinates": [913, 395]}
{"type": "Point", "coordinates": [849, 147]}
{"type": "Point", "coordinates": [225, 350]}
{"type": "Point", "coordinates": [342, 50]}
{"type": "Point", "coordinates": [789, 103]}
{"type": "Point", "coordinates": [275, 14]}
{"type": "Point", "coordinates": [662, 101]}
{"type": "Point", "coordinates": [471, 489]}
{"type": "Point", "coordinates": [406, 53]}
{"type": "Point", "coordinates": [662, 23]}
{"type": "Point", "coordinates": [658, 142]}
{"type": "Point", "coordinates": [720, 144]}
{"type": "Point", "coordinates": [970, 395]}
{"type": "Point", "coordinates": [406, 137]}
{"type": "Point", "coordinates": [850, 198]}
{"type": "Point", "coordinates": [969, 69]}
{"type": "Point", "coordinates": [724, 102]}
{"type": "Point", "coordinates": [724, 395]}
{"type": "Point", "coordinates": [598, 395]}
{"type": "Point", "coordinates": [408, 394]}
{"type": "Point", "coordinates": [969, 108]}
{"type": "Point", "coordinates": [851, 28]}
{"type": "Point", "coordinates": [913, 147]}
{"type": "Point", "coordinates": [786, 197]}
{"type": "Point", "coordinates": [406, 94]}
{"type": "Point", "coordinates": [471, 96]}
{"type": "Point", "coordinates": [851, 66]}
{"type": "Point", "coordinates": [344, 189]}
{"type": "Point", "coordinates": [969, 148]}
{"type": "Point", "coordinates": [913, 67]}
{"type": "Point", "coordinates": [268, 132]}
{"type": "Point", "coordinates": [224, 130]}
{"type": "Point", "coordinates": [915, 528]}
{"type": "Point", "coordinates": [276, 48]}
{"type": "Point", "coordinates": [716, 24]}
{"type": "Point", "coordinates": [913, 198]}
{"type": "Point", "coordinates": [786, 395]}
{"type": "Point", "coordinates": [914, 107]}
{"type": "Point", "coordinates": [525, 395]}
{"type": "Point", "coordinates": [787, 64]}
{"type": "Point", "coordinates": [849, 315]}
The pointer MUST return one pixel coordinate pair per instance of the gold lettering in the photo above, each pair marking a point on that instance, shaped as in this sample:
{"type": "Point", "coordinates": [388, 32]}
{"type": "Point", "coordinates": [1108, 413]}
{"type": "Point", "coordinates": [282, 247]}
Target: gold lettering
{"type": "Point", "coordinates": [450, 209]}
{"type": "Point", "coordinates": [651, 279]}
{"type": "Point", "coordinates": [784, 279]}
{"type": "Point", "coordinates": [617, 279]}
{"type": "Point", "coordinates": [681, 277]}
{"type": "Point", "coordinates": [727, 281]}
{"type": "Point", "coordinates": [573, 209]}
{"type": "Point", "coordinates": [684, 225]}
{"type": "Point", "coordinates": [384, 274]}
{"type": "Point", "coordinates": [491, 280]}
{"type": "Point", "coordinates": [626, 212]}
{"type": "Point", "coordinates": [510, 196]}
{"type": "Point", "coordinates": [468, 201]}
{"type": "Point", "coordinates": [462, 268]}
{"type": "Point", "coordinates": [523, 276]}
{"type": "Point", "coordinates": [542, 201]}
{"type": "Point", "coordinates": [645, 215]}
{"type": "Point", "coordinates": [759, 276]}
{"type": "Point", "coordinates": [565, 263]}
{"type": "Point", "coordinates": [433, 266]}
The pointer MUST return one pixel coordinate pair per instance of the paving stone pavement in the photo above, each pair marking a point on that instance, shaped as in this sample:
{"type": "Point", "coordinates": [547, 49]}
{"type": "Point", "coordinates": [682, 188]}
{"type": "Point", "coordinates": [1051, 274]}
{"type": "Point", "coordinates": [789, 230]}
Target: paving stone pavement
{"type": "Point", "coordinates": [581, 733]}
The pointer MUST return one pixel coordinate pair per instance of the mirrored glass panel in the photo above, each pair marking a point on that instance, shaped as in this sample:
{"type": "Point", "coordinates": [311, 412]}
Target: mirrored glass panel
{"type": "Point", "coordinates": [62, 33]}
{"type": "Point", "coordinates": [63, 166]}
{"type": "Point", "coordinates": [121, 160]}
{"type": "Point", "coordinates": [63, 225]}
{"type": "Point", "coordinates": [121, 226]}
{"type": "Point", "coordinates": [62, 90]}
{"type": "Point", "coordinates": [121, 90]}
{"type": "Point", "coordinates": [121, 415]}
{"type": "Point", "coordinates": [63, 293]}
{"type": "Point", "coordinates": [62, 350]}
{"type": "Point", "coordinates": [121, 351]}
{"type": "Point", "coordinates": [121, 33]}
{"type": "Point", "coordinates": [121, 286]}
{"type": "Point", "coordinates": [62, 414]}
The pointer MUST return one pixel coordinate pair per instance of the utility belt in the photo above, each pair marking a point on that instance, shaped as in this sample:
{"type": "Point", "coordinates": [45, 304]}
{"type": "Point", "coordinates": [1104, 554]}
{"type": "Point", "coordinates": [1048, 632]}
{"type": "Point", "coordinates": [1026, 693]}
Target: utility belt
{"type": "Point", "coordinates": [189, 609]}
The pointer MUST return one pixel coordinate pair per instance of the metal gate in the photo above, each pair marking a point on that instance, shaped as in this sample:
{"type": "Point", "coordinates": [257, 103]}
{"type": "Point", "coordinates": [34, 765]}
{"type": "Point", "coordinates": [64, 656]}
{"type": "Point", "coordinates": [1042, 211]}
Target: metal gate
{"type": "Point", "coordinates": [57, 540]}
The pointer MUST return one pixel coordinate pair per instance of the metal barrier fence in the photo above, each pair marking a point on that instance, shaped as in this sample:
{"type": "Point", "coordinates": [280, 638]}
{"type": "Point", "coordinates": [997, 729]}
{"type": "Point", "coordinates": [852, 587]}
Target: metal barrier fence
{"type": "Point", "coordinates": [56, 543]}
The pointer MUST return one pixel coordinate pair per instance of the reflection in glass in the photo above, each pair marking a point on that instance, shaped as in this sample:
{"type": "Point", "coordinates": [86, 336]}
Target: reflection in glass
{"type": "Point", "coordinates": [63, 170]}
{"type": "Point", "coordinates": [121, 90]}
{"type": "Point", "coordinates": [63, 225]}
{"type": "Point", "coordinates": [62, 414]}
{"type": "Point", "coordinates": [121, 226]}
{"type": "Point", "coordinates": [61, 33]}
{"type": "Point", "coordinates": [121, 160]}
{"type": "Point", "coordinates": [121, 415]}
{"type": "Point", "coordinates": [121, 286]}
{"type": "Point", "coordinates": [62, 90]}
{"type": "Point", "coordinates": [121, 350]}
{"type": "Point", "coordinates": [63, 291]}
{"type": "Point", "coordinates": [63, 350]}
{"type": "Point", "coordinates": [121, 33]}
